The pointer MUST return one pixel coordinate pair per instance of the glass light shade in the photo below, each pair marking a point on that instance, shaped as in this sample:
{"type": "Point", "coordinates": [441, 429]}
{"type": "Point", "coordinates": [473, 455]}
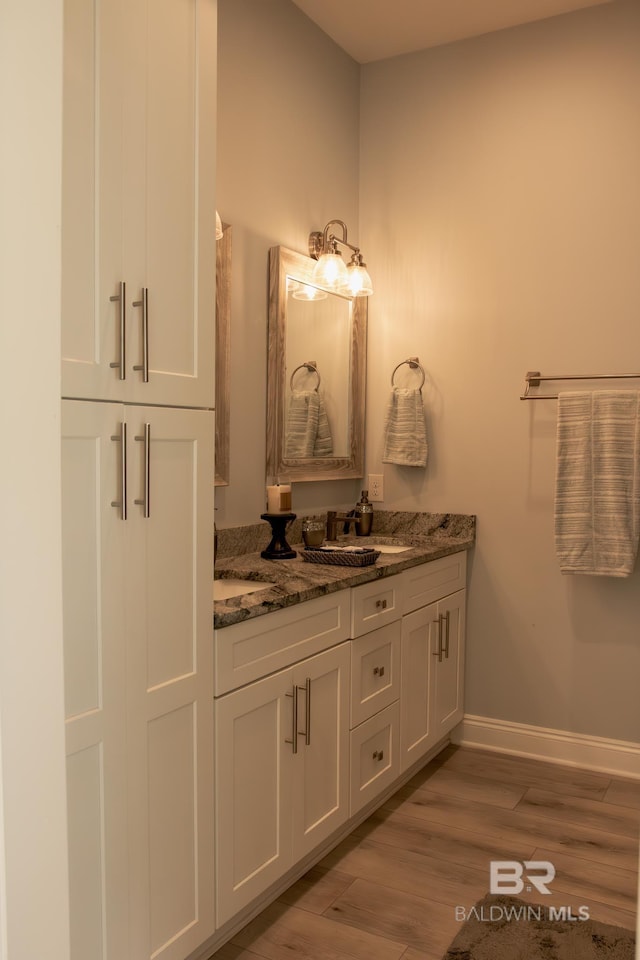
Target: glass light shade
{"type": "Point", "coordinates": [330, 271]}
{"type": "Point", "coordinates": [358, 281]}
{"type": "Point", "coordinates": [218, 226]}
{"type": "Point", "coordinates": [304, 291]}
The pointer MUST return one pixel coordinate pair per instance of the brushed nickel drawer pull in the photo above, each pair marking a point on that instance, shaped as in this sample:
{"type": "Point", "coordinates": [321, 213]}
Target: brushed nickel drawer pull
{"type": "Point", "coordinates": [446, 635]}
{"type": "Point", "coordinates": [122, 439]}
{"type": "Point", "coordinates": [146, 439]}
{"type": "Point", "coordinates": [438, 653]}
{"type": "Point", "coordinates": [120, 298]}
{"type": "Point", "coordinates": [378, 671]}
{"type": "Point", "coordinates": [144, 303]}
{"type": "Point", "coordinates": [294, 725]}
{"type": "Point", "coordinates": [378, 755]}
{"type": "Point", "coordinates": [307, 711]}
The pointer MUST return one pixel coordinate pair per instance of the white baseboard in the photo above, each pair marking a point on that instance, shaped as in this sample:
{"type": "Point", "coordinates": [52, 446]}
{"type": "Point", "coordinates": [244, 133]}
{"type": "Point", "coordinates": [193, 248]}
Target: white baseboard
{"type": "Point", "coordinates": [616, 757]}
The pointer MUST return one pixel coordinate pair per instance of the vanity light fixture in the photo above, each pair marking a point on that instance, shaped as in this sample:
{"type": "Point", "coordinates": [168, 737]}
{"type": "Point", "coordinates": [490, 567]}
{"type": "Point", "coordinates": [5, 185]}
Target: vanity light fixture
{"type": "Point", "coordinates": [330, 270]}
{"type": "Point", "coordinates": [304, 291]}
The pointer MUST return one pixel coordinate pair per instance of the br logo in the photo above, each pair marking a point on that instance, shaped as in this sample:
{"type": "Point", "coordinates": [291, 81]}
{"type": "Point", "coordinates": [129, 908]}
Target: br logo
{"type": "Point", "coordinates": [512, 876]}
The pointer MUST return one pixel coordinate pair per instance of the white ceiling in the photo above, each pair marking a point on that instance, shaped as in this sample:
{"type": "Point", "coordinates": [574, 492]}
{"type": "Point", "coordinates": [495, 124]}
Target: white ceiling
{"type": "Point", "coordinates": [375, 29]}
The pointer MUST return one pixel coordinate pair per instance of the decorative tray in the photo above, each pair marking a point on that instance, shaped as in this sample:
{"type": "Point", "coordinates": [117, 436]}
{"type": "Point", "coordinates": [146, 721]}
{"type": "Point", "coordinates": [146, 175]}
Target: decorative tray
{"type": "Point", "coordinates": [343, 558]}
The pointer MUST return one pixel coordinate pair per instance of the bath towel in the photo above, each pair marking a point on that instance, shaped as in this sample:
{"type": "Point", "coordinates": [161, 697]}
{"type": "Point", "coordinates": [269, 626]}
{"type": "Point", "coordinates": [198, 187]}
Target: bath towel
{"type": "Point", "coordinates": [307, 431]}
{"type": "Point", "coordinates": [597, 502]}
{"type": "Point", "coordinates": [405, 433]}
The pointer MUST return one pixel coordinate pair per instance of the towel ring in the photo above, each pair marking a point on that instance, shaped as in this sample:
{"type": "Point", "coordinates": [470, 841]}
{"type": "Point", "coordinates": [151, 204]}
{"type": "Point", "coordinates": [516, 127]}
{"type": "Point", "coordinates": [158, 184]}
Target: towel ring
{"type": "Point", "coordinates": [414, 363]}
{"type": "Point", "coordinates": [309, 365]}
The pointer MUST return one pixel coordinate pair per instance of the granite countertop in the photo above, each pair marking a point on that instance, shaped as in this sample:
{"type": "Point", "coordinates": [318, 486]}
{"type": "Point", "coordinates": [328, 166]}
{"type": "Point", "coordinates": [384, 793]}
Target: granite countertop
{"type": "Point", "coordinates": [428, 536]}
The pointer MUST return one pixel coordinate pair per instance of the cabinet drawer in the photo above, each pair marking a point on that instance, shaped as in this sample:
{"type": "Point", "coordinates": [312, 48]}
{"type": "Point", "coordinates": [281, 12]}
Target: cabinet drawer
{"type": "Point", "coordinates": [375, 756]}
{"type": "Point", "coordinates": [247, 651]}
{"type": "Point", "coordinates": [374, 604]}
{"type": "Point", "coordinates": [375, 672]}
{"type": "Point", "coordinates": [432, 581]}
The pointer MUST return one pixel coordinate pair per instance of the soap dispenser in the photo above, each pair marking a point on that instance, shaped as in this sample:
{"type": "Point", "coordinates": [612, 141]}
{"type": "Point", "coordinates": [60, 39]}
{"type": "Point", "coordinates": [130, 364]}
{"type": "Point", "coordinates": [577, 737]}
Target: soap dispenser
{"type": "Point", "coordinates": [364, 513]}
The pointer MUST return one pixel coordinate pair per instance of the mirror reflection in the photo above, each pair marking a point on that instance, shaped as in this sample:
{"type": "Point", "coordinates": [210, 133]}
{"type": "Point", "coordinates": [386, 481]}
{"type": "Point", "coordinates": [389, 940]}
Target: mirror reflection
{"type": "Point", "coordinates": [316, 374]}
{"type": "Point", "coordinates": [317, 368]}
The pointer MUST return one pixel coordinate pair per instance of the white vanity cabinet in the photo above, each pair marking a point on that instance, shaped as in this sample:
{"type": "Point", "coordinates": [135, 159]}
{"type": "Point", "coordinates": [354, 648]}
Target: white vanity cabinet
{"type": "Point", "coordinates": [138, 688]}
{"type": "Point", "coordinates": [433, 627]}
{"type": "Point", "coordinates": [319, 710]}
{"type": "Point", "coordinates": [281, 747]}
{"type": "Point", "coordinates": [138, 216]}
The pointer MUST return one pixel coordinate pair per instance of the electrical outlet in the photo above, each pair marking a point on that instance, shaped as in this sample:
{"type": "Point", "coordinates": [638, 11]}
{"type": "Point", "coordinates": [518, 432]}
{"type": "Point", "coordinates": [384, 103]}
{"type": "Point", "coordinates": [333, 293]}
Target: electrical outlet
{"type": "Point", "coordinates": [376, 488]}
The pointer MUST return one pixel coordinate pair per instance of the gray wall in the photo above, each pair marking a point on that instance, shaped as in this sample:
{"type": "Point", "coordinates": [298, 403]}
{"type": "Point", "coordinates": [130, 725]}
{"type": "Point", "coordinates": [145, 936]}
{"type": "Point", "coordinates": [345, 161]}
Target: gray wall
{"type": "Point", "coordinates": [500, 213]}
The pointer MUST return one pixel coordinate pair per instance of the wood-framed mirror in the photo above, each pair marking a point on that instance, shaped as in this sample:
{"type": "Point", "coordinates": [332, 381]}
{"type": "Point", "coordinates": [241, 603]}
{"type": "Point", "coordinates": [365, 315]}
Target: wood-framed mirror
{"type": "Point", "coordinates": [223, 337]}
{"type": "Point", "coordinates": [316, 373]}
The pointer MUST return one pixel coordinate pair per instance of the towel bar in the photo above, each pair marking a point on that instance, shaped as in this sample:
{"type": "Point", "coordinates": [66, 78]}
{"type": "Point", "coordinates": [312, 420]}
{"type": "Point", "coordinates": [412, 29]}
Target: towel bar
{"type": "Point", "coordinates": [534, 378]}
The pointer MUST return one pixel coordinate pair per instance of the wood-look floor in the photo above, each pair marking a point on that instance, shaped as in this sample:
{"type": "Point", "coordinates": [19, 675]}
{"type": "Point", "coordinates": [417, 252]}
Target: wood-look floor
{"type": "Point", "coordinates": [389, 890]}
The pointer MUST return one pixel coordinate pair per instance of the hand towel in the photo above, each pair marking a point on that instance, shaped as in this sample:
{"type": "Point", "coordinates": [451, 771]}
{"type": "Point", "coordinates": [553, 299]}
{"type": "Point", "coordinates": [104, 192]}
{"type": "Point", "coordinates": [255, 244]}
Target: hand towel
{"type": "Point", "coordinates": [597, 500]}
{"type": "Point", "coordinates": [307, 431]}
{"type": "Point", "coordinates": [405, 434]}
{"type": "Point", "coordinates": [323, 445]}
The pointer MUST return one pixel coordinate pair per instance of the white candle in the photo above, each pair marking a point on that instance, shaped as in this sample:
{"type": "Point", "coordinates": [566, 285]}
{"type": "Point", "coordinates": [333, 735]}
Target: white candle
{"type": "Point", "coordinates": [279, 498]}
{"type": "Point", "coordinates": [273, 499]}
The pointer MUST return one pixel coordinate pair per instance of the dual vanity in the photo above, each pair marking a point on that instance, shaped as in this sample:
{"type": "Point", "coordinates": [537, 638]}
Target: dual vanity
{"type": "Point", "coordinates": [333, 685]}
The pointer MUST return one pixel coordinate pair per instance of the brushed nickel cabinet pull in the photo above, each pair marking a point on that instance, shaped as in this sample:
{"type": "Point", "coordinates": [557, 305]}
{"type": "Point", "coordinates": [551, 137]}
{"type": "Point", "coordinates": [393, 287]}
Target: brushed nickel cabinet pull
{"type": "Point", "coordinates": [121, 438]}
{"type": "Point", "coordinates": [146, 439]}
{"type": "Point", "coordinates": [120, 298]}
{"type": "Point", "coordinates": [378, 671]}
{"type": "Point", "coordinates": [378, 755]}
{"type": "Point", "coordinates": [438, 653]}
{"type": "Point", "coordinates": [446, 635]}
{"type": "Point", "coordinates": [307, 711]}
{"type": "Point", "coordinates": [294, 724]}
{"type": "Point", "coordinates": [144, 303]}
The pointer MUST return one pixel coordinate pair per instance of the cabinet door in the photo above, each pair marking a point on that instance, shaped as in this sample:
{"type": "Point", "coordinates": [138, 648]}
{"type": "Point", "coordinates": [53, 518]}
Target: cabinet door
{"type": "Point", "coordinates": [170, 204]}
{"type": "Point", "coordinates": [138, 220]}
{"type": "Point", "coordinates": [92, 198]}
{"type": "Point", "coordinates": [170, 680]}
{"type": "Point", "coordinates": [93, 550]}
{"type": "Point", "coordinates": [253, 749]}
{"type": "Point", "coordinates": [449, 674]}
{"type": "Point", "coordinates": [420, 633]}
{"type": "Point", "coordinates": [321, 765]}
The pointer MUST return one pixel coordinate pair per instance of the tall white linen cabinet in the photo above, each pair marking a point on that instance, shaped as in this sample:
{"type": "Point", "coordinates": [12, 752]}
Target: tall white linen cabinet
{"type": "Point", "coordinates": [138, 300]}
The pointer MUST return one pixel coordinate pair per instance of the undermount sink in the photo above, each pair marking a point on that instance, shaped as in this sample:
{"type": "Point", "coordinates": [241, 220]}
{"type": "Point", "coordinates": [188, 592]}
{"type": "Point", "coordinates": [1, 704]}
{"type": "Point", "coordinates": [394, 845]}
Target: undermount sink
{"type": "Point", "coordinates": [225, 589]}
{"type": "Point", "coordinates": [390, 547]}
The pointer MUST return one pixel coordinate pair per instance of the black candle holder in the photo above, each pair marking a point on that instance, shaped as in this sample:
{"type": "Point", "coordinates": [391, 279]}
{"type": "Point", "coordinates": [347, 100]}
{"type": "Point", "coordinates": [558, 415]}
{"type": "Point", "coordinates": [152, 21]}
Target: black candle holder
{"type": "Point", "coordinates": [278, 549]}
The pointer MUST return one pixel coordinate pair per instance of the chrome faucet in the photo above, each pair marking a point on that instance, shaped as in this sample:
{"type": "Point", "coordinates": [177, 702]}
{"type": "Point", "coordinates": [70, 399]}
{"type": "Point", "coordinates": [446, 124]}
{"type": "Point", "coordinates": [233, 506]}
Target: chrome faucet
{"type": "Point", "coordinates": [333, 519]}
